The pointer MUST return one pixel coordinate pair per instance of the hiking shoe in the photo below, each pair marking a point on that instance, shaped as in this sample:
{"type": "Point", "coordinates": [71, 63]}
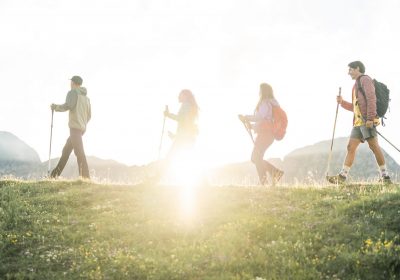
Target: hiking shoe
{"type": "Point", "coordinates": [337, 179]}
{"type": "Point", "coordinates": [263, 180]}
{"type": "Point", "coordinates": [385, 180]}
{"type": "Point", "coordinates": [276, 176]}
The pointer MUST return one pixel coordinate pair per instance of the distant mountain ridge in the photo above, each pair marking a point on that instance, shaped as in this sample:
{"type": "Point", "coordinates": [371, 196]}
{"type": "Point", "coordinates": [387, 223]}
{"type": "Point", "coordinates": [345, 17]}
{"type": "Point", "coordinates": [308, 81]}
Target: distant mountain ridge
{"type": "Point", "coordinates": [16, 157]}
{"type": "Point", "coordinates": [304, 165]}
{"type": "Point", "coordinates": [312, 160]}
{"type": "Point", "coordinates": [14, 149]}
{"type": "Point", "coordinates": [308, 165]}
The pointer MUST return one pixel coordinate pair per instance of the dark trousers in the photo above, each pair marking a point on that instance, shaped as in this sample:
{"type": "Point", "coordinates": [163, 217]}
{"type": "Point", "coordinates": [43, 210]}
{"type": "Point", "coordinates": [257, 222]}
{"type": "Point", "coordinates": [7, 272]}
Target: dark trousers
{"type": "Point", "coordinates": [261, 144]}
{"type": "Point", "coordinates": [74, 142]}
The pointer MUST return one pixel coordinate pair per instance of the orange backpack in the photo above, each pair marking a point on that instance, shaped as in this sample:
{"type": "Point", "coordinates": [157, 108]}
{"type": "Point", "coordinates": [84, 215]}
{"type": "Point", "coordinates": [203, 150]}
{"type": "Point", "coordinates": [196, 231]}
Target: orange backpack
{"type": "Point", "coordinates": [280, 122]}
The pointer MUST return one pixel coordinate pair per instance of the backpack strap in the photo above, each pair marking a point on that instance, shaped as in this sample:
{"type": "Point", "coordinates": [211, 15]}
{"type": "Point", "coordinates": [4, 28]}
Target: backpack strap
{"type": "Point", "coordinates": [360, 88]}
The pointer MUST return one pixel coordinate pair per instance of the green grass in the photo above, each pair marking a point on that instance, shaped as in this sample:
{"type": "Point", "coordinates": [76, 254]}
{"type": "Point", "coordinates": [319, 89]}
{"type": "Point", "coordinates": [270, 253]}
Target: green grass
{"type": "Point", "coordinates": [78, 230]}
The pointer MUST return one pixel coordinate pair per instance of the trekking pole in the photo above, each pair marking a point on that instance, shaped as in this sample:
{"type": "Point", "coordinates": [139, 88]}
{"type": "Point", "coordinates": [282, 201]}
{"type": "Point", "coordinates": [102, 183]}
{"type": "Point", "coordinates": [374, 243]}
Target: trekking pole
{"type": "Point", "coordinates": [162, 134]}
{"type": "Point", "coordinates": [51, 138]}
{"type": "Point", "coordinates": [333, 134]}
{"type": "Point", "coordinates": [387, 141]}
{"type": "Point", "coordinates": [248, 129]}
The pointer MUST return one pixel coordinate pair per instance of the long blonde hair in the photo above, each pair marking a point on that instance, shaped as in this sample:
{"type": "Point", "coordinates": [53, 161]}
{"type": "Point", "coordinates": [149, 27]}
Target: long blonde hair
{"type": "Point", "coordinates": [266, 93]}
{"type": "Point", "coordinates": [187, 96]}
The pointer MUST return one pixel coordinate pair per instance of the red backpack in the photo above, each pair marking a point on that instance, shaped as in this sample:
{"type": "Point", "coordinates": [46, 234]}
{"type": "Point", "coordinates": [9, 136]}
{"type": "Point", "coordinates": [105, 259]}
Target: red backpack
{"type": "Point", "coordinates": [280, 122]}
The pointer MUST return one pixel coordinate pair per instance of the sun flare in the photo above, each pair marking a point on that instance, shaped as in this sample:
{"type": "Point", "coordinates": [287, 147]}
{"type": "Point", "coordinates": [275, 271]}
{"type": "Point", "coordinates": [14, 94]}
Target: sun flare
{"type": "Point", "coordinates": [185, 170]}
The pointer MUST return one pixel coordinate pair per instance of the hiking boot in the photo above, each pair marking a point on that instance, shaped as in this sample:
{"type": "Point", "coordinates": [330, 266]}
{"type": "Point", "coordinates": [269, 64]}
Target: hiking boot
{"type": "Point", "coordinates": [263, 180]}
{"type": "Point", "coordinates": [276, 176]}
{"type": "Point", "coordinates": [54, 174]}
{"type": "Point", "coordinates": [337, 179]}
{"type": "Point", "coordinates": [385, 180]}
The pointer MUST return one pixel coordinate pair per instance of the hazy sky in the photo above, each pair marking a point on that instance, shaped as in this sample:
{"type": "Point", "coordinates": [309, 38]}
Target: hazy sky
{"type": "Point", "coordinates": [135, 56]}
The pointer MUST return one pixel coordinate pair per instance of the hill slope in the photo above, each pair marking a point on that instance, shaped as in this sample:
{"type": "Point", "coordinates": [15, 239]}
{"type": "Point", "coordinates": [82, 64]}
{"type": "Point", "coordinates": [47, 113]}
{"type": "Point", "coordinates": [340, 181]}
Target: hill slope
{"type": "Point", "coordinates": [310, 162]}
{"type": "Point", "coordinates": [14, 149]}
{"type": "Point", "coordinates": [16, 157]}
{"type": "Point", "coordinates": [75, 230]}
{"type": "Point", "coordinates": [304, 165]}
{"type": "Point", "coordinates": [100, 169]}
{"type": "Point", "coordinates": [308, 165]}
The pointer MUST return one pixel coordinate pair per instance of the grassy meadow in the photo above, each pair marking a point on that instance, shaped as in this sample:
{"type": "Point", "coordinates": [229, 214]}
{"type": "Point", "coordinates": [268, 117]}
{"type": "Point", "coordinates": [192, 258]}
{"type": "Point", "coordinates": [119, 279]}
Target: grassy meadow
{"type": "Point", "coordinates": [80, 230]}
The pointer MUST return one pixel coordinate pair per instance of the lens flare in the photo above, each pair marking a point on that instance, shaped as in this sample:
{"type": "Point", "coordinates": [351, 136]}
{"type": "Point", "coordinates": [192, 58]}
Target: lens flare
{"type": "Point", "coordinates": [186, 172]}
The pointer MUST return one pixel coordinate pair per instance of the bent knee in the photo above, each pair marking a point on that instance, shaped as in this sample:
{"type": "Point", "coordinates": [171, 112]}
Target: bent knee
{"type": "Point", "coordinates": [351, 148]}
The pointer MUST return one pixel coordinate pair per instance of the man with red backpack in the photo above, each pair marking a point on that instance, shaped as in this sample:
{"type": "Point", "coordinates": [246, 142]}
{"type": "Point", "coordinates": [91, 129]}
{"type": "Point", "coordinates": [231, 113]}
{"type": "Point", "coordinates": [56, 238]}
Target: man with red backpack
{"type": "Point", "coordinates": [365, 121]}
{"type": "Point", "coordinates": [262, 122]}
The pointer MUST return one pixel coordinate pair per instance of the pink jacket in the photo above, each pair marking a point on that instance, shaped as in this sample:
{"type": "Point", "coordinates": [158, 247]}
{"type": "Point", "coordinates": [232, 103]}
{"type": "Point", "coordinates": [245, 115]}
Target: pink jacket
{"type": "Point", "coordinates": [368, 104]}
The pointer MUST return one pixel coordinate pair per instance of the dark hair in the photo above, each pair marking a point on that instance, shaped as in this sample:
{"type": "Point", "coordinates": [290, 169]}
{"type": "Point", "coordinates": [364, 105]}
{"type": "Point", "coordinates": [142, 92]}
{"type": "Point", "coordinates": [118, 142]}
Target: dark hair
{"type": "Point", "coordinates": [358, 64]}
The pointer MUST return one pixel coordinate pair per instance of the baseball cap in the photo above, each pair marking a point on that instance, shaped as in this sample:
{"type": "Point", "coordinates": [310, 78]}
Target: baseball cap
{"type": "Point", "coordinates": [77, 80]}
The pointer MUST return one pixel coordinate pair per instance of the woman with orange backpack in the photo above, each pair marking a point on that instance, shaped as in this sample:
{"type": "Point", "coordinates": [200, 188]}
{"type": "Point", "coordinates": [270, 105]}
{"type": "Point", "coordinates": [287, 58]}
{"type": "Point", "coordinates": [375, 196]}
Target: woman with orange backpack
{"type": "Point", "coordinates": [262, 122]}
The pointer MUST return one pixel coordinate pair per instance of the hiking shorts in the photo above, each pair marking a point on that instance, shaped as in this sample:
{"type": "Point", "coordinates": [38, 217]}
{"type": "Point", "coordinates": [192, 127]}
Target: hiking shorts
{"type": "Point", "coordinates": [363, 133]}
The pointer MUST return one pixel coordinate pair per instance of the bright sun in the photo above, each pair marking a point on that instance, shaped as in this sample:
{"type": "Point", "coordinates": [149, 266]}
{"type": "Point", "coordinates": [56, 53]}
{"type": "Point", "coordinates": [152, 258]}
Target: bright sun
{"type": "Point", "coordinates": [185, 170]}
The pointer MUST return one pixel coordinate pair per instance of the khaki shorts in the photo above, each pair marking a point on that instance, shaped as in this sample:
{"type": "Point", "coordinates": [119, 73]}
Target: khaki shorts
{"type": "Point", "coordinates": [363, 133]}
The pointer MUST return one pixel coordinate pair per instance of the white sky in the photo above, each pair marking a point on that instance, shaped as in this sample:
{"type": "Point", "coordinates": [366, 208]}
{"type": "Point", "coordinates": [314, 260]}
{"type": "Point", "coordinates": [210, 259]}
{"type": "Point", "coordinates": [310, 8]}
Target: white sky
{"type": "Point", "coordinates": [135, 56]}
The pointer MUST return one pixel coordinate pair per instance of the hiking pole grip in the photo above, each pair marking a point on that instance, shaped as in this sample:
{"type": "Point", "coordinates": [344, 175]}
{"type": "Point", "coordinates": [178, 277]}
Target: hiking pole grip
{"type": "Point", "coordinates": [247, 126]}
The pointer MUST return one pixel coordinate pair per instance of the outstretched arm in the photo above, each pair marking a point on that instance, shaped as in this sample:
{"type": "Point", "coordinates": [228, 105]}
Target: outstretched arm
{"type": "Point", "coordinates": [70, 102]}
{"type": "Point", "coordinates": [171, 116]}
{"type": "Point", "coordinates": [344, 104]}
{"type": "Point", "coordinates": [183, 113]}
{"type": "Point", "coordinates": [168, 114]}
{"type": "Point", "coordinates": [347, 105]}
{"type": "Point", "coordinates": [249, 118]}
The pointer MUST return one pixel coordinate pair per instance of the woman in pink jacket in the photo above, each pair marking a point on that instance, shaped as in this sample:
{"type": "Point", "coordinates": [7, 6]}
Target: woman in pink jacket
{"type": "Point", "coordinates": [261, 122]}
